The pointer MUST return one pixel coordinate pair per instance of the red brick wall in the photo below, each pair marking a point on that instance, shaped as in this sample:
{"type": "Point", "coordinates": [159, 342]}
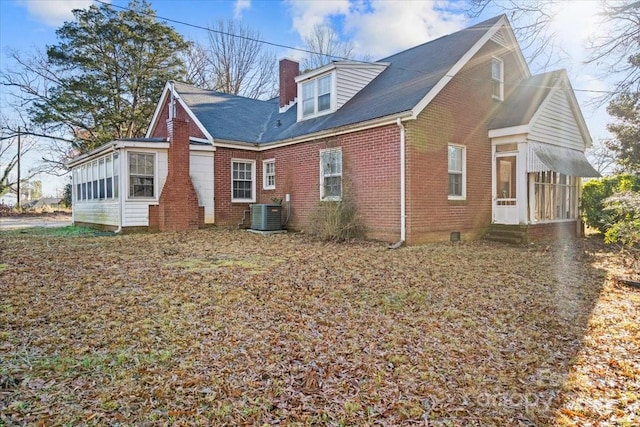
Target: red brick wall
{"type": "Point", "coordinates": [178, 204]}
{"type": "Point", "coordinates": [288, 71]}
{"type": "Point", "coordinates": [160, 131]}
{"type": "Point", "coordinates": [370, 162]}
{"type": "Point", "coordinates": [552, 230]}
{"type": "Point", "coordinates": [459, 115]}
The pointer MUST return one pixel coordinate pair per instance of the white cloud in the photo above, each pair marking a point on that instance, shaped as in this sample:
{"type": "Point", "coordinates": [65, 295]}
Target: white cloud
{"type": "Point", "coordinates": [306, 14]}
{"type": "Point", "coordinates": [241, 6]}
{"type": "Point", "coordinates": [387, 27]}
{"type": "Point", "coordinates": [54, 12]}
{"type": "Point", "coordinates": [378, 27]}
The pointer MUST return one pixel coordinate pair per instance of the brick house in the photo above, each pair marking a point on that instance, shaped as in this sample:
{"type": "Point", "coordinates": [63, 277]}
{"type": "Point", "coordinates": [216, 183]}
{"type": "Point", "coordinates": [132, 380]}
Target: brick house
{"type": "Point", "coordinates": [450, 138]}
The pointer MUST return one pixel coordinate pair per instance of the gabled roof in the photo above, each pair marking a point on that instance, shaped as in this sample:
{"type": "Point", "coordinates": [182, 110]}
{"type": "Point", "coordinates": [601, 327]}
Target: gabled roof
{"type": "Point", "coordinates": [518, 113]}
{"type": "Point", "coordinates": [411, 79]}
{"type": "Point", "coordinates": [525, 101]}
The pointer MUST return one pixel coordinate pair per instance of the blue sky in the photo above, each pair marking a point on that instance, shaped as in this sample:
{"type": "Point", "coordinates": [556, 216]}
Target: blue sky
{"type": "Point", "coordinates": [375, 27]}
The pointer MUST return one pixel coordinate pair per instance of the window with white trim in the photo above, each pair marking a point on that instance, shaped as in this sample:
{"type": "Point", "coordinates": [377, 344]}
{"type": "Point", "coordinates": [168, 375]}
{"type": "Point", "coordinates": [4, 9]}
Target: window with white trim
{"type": "Point", "coordinates": [141, 175]}
{"type": "Point", "coordinates": [331, 174]}
{"type": "Point", "coordinates": [316, 96]}
{"type": "Point", "coordinates": [269, 174]}
{"type": "Point", "coordinates": [457, 172]}
{"type": "Point", "coordinates": [497, 78]}
{"type": "Point", "coordinates": [243, 183]}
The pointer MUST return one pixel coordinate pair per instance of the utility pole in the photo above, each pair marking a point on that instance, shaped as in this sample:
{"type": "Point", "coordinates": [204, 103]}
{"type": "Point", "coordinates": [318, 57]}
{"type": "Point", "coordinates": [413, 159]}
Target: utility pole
{"type": "Point", "coordinates": [19, 161]}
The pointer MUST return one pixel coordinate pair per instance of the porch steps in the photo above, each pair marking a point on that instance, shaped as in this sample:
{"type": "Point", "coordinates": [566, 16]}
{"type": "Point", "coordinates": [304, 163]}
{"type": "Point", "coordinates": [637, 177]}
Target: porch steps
{"type": "Point", "coordinates": [513, 234]}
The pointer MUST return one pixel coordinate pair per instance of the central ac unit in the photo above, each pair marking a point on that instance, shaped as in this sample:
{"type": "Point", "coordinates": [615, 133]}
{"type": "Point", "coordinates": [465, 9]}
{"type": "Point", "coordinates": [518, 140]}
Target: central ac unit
{"type": "Point", "coordinates": [266, 217]}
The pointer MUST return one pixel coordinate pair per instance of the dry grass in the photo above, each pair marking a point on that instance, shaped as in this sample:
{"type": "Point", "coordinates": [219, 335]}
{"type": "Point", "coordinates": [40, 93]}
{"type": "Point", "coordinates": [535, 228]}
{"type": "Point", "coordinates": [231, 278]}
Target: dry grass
{"type": "Point", "coordinates": [227, 328]}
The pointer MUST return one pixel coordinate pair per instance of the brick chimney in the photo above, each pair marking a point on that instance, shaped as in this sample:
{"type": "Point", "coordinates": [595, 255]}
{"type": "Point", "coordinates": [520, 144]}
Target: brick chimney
{"type": "Point", "coordinates": [178, 208]}
{"type": "Point", "coordinates": [289, 70]}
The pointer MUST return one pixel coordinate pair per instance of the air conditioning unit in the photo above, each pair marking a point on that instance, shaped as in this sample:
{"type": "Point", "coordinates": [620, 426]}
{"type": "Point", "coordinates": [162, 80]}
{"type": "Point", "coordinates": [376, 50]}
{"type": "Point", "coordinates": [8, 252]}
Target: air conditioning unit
{"type": "Point", "coordinates": [266, 217]}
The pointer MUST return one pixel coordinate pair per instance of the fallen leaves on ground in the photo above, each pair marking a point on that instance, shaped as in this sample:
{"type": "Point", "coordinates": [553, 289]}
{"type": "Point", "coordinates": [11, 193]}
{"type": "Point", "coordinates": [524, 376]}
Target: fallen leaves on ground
{"type": "Point", "coordinates": [219, 327]}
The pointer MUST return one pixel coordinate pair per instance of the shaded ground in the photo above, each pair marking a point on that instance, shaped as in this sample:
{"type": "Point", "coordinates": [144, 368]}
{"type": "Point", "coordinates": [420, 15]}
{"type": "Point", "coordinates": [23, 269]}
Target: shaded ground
{"type": "Point", "coordinates": [221, 327]}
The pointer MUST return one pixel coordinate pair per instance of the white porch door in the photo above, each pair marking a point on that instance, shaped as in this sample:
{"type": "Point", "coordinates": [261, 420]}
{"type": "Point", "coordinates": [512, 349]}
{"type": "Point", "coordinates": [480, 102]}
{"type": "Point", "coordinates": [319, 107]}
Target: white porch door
{"type": "Point", "coordinates": [505, 201]}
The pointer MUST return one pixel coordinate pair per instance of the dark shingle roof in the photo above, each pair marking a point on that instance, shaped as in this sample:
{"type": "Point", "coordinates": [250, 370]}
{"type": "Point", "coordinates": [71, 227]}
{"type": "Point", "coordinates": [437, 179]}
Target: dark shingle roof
{"type": "Point", "coordinates": [410, 76]}
{"type": "Point", "coordinates": [525, 100]}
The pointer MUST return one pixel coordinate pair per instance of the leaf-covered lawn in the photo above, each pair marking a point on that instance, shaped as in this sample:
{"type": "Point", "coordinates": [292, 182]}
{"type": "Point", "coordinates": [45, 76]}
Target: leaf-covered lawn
{"type": "Point", "coordinates": [219, 327]}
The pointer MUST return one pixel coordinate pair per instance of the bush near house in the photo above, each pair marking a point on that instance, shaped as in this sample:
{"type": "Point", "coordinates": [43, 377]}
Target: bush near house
{"type": "Point", "coordinates": [603, 206]}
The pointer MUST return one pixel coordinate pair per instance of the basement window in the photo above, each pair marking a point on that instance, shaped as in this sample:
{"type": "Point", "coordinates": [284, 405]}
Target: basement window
{"type": "Point", "coordinates": [141, 175]}
{"type": "Point", "coordinates": [243, 181]}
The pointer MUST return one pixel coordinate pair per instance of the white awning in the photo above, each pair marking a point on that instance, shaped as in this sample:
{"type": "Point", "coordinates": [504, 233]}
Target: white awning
{"type": "Point", "coordinates": [546, 157]}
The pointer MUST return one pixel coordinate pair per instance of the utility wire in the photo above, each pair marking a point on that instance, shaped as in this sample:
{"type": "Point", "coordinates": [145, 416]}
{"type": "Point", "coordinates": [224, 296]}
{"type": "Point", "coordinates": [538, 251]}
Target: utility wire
{"type": "Point", "coordinates": [284, 46]}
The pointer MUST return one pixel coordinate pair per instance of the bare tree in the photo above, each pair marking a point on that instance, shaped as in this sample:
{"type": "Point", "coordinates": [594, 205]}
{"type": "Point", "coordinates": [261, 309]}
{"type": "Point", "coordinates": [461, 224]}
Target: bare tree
{"type": "Point", "coordinates": [239, 63]}
{"type": "Point", "coordinates": [198, 67]}
{"type": "Point", "coordinates": [10, 141]}
{"type": "Point", "coordinates": [531, 21]}
{"type": "Point", "coordinates": [327, 46]}
{"type": "Point", "coordinates": [617, 49]}
{"type": "Point", "coordinates": [602, 158]}
{"type": "Point", "coordinates": [614, 47]}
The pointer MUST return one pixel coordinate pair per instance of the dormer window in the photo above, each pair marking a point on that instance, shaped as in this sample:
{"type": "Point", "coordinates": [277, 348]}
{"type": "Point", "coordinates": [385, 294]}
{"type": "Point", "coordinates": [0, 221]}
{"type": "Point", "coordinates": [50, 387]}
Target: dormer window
{"type": "Point", "coordinates": [316, 96]}
{"type": "Point", "coordinates": [497, 79]}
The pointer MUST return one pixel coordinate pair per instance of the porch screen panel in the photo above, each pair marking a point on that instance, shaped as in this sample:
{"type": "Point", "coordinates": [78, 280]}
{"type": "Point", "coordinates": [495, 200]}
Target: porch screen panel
{"type": "Point", "coordinates": [506, 180]}
{"type": "Point", "coordinates": [555, 196]}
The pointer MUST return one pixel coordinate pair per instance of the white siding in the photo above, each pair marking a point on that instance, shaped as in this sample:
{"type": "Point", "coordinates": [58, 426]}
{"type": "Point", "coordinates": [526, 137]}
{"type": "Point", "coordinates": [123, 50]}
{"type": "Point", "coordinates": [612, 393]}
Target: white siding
{"type": "Point", "coordinates": [97, 212]}
{"type": "Point", "coordinates": [350, 80]}
{"type": "Point", "coordinates": [201, 167]}
{"type": "Point", "coordinates": [556, 124]}
{"type": "Point", "coordinates": [136, 211]}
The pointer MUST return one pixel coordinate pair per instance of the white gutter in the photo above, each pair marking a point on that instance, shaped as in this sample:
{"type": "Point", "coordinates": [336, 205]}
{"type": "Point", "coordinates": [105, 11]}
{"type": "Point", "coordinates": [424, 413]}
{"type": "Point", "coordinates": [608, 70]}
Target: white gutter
{"type": "Point", "coordinates": [403, 207]}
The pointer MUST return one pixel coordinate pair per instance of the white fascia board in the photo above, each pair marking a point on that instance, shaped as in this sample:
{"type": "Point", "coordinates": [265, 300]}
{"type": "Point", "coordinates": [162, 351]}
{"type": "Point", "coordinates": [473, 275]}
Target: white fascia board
{"type": "Point", "coordinates": [577, 112]}
{"type": "Point", "coordinates": [510, 131]}
{"type": "Point", "coordinates": [522, 62]}
{"type": "Point", "coordinates": [383, 121]}
{"type": "Point", "coordinates": [109, 146]}
{"type": "Point", "coordinates": [207, 148]}
{"type": "Point", "coordinates": [462, 62]}
{"type": "Point", "coordinates": [193, 117]}
{"type": "Point", "coordinates": [509, 139]}
{"type": "Point", "coordinates": [142, 144]}
{"type": "Point", "coordinates": [156, 113]}
{"type": "Point", "coordinates": [163, 98]}
{"type": "Point", "coordinates": [314, 73]}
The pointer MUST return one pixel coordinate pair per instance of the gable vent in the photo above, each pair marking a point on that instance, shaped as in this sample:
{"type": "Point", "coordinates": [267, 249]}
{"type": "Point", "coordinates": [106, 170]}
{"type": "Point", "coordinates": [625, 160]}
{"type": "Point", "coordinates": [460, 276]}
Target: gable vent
{"type": "Point", "coordinates": [500, 38]}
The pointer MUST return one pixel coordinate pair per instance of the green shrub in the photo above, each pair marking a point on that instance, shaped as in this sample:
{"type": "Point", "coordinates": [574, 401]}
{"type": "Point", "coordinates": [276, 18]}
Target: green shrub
{"type": "Point", "coordinates": [594, 194]}
{"type": "Point", "coordinates": [626, 208]}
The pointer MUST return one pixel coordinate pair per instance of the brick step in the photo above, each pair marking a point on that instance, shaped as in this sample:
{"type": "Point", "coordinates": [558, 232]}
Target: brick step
{"type": "Point", "coordinates": [513, 234]}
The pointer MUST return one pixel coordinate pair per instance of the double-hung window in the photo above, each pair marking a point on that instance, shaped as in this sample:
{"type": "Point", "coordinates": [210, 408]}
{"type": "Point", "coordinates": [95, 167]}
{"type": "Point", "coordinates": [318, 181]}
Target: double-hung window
{"type": "Point", "coordinates": [243, 184]}
{"type": "Point", "coordinates": [269, 174]}
{"type": "Point", "coordinates": [457, 172]}
{"type": "Point", "coordinates": [497, 79]}
{"type": "Point", "coordinates": [141, 175]}
{"type": "Point", "coordinates": [331, 174]}
{"type": "Point", "coordinates": [316, 96]}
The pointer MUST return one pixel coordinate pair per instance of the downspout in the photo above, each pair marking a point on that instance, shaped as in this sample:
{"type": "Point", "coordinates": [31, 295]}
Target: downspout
{"type": "Point", "coordinates": [403, 219]}
{"type": "Point", "coordinates": [120, 195]}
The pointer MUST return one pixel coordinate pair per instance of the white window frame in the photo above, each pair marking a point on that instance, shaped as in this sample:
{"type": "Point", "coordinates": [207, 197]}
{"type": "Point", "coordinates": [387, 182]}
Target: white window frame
{"type": "Point", "coordinates": [463, 173]}
{"type": "Point", "coordinates": [499, 80]}
{"type": "Point", "coordinates": [155, 177]}
{"type": "Point", "coordinates": [332, 96]}
{"type": "Point", "coordinates": [266, 175]}
{"type": "Point", "coordinates": [323, 176]}
{"type": "Point", "coordinates": [253, 181]}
